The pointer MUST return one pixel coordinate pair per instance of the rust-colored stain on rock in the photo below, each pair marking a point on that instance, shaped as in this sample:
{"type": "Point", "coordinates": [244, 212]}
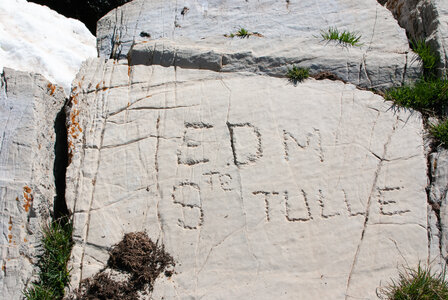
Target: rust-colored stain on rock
{"type": "Point", "coordinates": [51, 88]}
{"type": "Point", "coordinates": [28, 198]}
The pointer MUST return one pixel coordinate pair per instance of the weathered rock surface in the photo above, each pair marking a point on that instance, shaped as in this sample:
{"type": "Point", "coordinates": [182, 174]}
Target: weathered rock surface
{"type": "Point", "coordinates": [29, 105]}
{"type": "Point", "coordinates": [291, 34]}
{"type": "Point", "coordinates": [33, 38]}
{"type": "Point", "coordinates": [258, 188]}
{"type": "Point", "coordinates": [424, 20]}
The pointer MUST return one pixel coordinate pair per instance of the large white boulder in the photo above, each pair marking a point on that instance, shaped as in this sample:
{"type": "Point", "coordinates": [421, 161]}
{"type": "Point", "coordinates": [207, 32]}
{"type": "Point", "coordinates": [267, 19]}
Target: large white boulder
{"type": "Point", "coordinates": [291, 35]}
{"type": "Point", "coordinates": [29, 105]}
{"type": "Point", "coordinates": [259, 189]}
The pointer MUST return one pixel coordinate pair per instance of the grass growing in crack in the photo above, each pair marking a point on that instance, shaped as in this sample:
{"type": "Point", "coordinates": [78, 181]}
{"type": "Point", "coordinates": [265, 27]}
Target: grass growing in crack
{"type": "Point", "coordinates": [344, 38]}
{"type": "Point", "coordinates": [429, 95]}
{"type": "Point", "coordinates": [417, 284]}
{"type": "Point", "coordinates": [440, 132]}
{"type": "Point", "coordinates": [426, 96]}
{"type": "Point", "coordinates": [56, 247]}
{"type": "Point", "coordinates": [243, 33]}
{"type": "Point", "coordinates": [428, 58]}
{"type": "Point", "coordinates": [296, 74]}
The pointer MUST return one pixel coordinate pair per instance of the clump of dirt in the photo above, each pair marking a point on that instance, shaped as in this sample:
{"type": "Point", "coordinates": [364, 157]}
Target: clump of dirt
{"type": "Point", "coordinates": [136, 256]}
{"type": "Point", "coordinates": [102, 286]}
{"type": "Point", "coordinates": [326, 75]}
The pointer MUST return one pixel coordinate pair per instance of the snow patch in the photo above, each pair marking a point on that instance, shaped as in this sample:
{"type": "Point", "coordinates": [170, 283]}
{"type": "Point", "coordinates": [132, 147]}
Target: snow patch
{"type": "Point", "coordinates": [34, 38]}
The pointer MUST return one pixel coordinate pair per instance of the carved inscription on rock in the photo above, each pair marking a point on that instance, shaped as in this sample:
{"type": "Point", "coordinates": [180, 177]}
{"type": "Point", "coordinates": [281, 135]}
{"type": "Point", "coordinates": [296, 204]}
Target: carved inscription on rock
{"type": "Point", "coordinates": [305, 203]}
{"type": "Point", "coordinates": [188, 196]}
{"type": "Point", "coordinates": [191, 152]}
{"type": "Point", "coordinates": [245, 141]}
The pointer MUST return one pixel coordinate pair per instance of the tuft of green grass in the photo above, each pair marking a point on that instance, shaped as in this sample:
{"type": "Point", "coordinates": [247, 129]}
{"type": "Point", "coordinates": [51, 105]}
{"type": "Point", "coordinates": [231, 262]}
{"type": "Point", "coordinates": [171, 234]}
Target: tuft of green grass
{"type": "Point", "coordinates": [344, 38]}
{"type": "Point", "coordinates": [428, 58]}
{"type": "Point", "coordinates": [243, 33]}
{"type": "Point", "coordinates": [440, 132]}
{"type": "Point", "coordinates": [419, 284]}
{"type": "Point", "coordinates": [56, 246]}
{"type": "Point", "coordinates": [38, 292]}
{"type": "Point", "coordinates": [296, 74]}
{"type": "Point", "coordinates": [427, 96]}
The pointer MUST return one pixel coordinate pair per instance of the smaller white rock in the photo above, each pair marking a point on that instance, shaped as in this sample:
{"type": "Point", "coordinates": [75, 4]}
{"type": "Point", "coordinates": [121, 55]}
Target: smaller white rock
{"type": "Point", "coordinates": [34, 38]}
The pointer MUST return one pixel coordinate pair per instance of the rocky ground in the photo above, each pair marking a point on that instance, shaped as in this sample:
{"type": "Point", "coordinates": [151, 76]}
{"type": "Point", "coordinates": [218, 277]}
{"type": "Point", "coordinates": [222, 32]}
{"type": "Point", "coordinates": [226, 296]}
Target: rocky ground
{"type": "Point", "coordinates": [257, 187]}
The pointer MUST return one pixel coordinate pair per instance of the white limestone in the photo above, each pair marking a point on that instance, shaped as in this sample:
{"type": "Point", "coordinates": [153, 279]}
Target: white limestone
{"type": "Point", "coordinates": [291, 35]}
{"type": "Point", "coordinates": [259, 189]}
{"type": "Point", "coordinates": [28, 108]}
{"type": "Point", "coordinates": [424, 20]}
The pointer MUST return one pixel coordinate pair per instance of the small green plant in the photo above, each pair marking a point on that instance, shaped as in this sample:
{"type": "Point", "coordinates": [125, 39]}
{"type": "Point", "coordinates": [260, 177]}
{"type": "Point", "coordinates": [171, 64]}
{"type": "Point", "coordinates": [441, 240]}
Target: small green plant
{"type": "Point", "coordinates": [428, 58]}
{"type": "Point", "coordinates": [440, 132]}
{"type": "Point", "coordinates": [420, 284]}
{"type": "Point", "coordinates": [243, 33]}
{"type": "Point", "coordinates": [296, 74]}
{"type": "Point", "coordinates": [56, 247]}
{"type": "Point", "coordinates": [426, 96]}
{"type": "Point", "coordinates": [344, 38]}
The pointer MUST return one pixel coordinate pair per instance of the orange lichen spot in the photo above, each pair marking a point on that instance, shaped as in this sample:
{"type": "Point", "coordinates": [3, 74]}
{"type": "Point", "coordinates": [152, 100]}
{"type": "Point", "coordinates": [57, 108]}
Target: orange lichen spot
{"type": "Point", "coordinates": [10, 238]}
{"type": "Point", "coordinates": [79, 84]}
{"type": "Point", "coordinates": [27, 206]}
{"type": "Point", "coordinates": [28, 198]}
{"type": "Point", "coordinates": [129, 71]}
{"type": "Point", "coordinates": [97, 86]}
{"type": "Point", "coordinates": [105, 88]}
{"type": "Point", "coordinates": [17, 199]}
{"type": "Point", "coordinates": [10, 227]}
{"type": "Point", "coordinates": [10, 218]}
{"type": "Point", "coordinates": [25, 240]}
{"type": "Point", "coordinates": [51, 88]}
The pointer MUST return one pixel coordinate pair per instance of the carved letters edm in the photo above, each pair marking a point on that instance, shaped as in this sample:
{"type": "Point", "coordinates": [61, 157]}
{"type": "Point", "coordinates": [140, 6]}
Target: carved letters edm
{"type": "Point", "coordinates": [292, 207]}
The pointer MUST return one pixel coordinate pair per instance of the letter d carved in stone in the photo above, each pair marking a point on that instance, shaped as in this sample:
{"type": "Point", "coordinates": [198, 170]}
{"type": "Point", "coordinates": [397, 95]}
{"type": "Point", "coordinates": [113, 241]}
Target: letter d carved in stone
{"type": "Point", "coordinates": [245, 141]}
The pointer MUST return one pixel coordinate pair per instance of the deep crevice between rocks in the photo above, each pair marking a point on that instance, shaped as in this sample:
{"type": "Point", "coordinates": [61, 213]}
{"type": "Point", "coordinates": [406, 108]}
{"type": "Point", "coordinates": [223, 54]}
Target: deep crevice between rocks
{"type": "Point", "coordinates": [435, 207]}
{"type": "Point", "coordinates": [60, 210]}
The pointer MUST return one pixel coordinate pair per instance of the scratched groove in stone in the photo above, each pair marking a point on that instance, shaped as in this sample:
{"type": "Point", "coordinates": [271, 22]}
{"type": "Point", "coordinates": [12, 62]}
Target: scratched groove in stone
{"type": "Point", "coordinates": [259, 189]}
